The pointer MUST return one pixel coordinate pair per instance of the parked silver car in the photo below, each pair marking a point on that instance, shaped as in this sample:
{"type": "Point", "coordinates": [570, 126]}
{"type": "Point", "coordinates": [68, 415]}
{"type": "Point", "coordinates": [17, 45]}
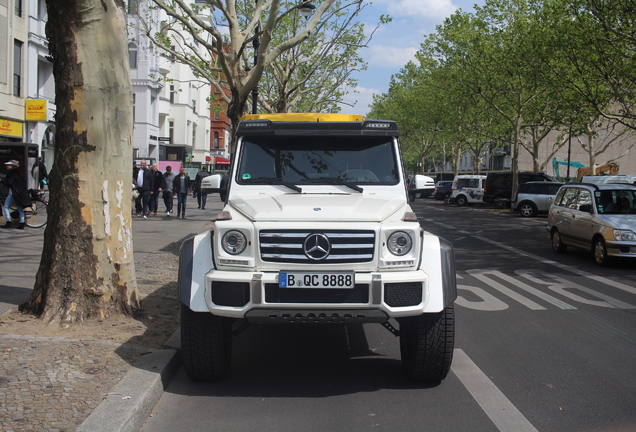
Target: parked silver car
{"type": "Point", "coordinates": [535, 197]}
{"type": "Point", "coordinates": [598, 217]}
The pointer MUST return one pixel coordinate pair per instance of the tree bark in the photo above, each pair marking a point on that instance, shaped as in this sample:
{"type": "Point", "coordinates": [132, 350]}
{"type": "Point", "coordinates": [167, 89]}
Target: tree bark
{"type": "Point", "coordinates": [87, 267]}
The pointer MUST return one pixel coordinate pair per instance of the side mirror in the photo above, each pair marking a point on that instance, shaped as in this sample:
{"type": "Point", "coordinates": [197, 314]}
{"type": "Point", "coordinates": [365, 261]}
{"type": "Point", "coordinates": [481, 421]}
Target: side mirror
{"type": "Point", "coordinates": [586, 208]}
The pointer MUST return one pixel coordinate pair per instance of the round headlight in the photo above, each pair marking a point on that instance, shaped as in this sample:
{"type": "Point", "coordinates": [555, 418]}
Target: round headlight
{"type": "Point", "coordinates": [234, 242]}
{"type": "Point", "coordinates": [400, 243]}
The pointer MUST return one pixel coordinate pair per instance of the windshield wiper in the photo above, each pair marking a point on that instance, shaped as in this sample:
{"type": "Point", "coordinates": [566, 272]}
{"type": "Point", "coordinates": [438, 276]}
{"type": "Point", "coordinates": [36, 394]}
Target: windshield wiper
{"type": "Point", "coordinates": [334, 180]}
{"type": "Point", "coordinates": [273, 181]}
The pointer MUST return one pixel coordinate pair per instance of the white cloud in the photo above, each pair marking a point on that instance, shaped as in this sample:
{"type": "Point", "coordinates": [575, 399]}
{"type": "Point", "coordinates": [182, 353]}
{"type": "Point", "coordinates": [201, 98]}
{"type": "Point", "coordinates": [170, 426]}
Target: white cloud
{"type": "Point", "coordinates": [421, 8]}
{"type": "Point", "coordinates": [389, 56]}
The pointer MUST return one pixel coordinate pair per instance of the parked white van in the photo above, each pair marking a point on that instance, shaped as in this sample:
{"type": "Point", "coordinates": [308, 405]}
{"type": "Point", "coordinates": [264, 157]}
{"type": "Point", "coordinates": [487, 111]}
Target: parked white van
{"type": "Point", "coordinates": [420, 187]}
{"type": "Point", "coordinates": [468, 189]}
{"type": "Point", "coordinates": [609, 179]}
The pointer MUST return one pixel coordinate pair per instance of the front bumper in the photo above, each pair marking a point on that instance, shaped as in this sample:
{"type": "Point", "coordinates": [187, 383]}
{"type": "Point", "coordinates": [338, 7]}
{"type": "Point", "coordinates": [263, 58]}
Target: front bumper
{"type": "Point", "coordinates": [621, 249]}
{"type": "Point", "coordinates": [257, 296]}
{"type": "Point", "coordinates": [376, 296]}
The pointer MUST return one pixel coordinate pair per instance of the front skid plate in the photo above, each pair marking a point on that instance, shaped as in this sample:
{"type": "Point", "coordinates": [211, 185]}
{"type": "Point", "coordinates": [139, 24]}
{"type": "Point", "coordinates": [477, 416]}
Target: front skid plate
{"type": "Point", "coordinates": [340, 316]}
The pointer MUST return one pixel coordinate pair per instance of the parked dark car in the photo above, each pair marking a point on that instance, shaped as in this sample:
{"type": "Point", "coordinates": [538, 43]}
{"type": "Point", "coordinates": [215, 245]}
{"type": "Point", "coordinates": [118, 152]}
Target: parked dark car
{"type": "Point", "coordinates": [443, 190]}
{"type": "Point", "coordinates": [499, 185]}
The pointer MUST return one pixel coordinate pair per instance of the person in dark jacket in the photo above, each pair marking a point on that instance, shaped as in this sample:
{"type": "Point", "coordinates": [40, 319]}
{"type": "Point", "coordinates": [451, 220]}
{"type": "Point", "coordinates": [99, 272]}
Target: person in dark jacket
{"type": "Point", "coordinates": [145, 186]}
{"type": "Point", "coordinates": [157, 180]}
{"type": "Point", "coordinates": [166, 187]}
{"type": "Point", "coordinates": [181, 187]}
{"type": "Point", "coordinates": [18, 193]}
{"type": "Point", "coordinates": [39, 173]}
{"type": "Point", "coordinates": [201, 197]}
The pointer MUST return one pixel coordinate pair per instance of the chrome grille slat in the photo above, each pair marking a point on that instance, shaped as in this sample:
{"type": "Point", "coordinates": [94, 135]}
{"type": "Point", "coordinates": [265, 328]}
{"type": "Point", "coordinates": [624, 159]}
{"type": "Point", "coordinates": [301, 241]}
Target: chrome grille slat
{"type": "Point", "coordinates": [336, 257]}
{"type": "Point", "coordinates": [286, 246]}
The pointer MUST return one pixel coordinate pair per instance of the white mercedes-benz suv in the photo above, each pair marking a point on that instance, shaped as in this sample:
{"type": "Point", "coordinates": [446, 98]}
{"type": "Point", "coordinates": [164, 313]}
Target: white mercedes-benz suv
{"type": "Point", "coordinates": [316, 228]}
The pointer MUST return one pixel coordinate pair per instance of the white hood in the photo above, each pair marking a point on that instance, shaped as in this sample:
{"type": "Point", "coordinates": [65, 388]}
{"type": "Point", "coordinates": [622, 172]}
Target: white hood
{"type": "Point", "coordinates": [325, 207]}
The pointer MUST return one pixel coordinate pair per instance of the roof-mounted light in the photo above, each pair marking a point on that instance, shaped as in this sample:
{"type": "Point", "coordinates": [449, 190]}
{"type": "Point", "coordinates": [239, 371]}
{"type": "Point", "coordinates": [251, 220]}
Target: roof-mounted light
{"type": "Point", "coordinates": [378, 125]}
{"type": "Point", "coordinates": [256, 125]}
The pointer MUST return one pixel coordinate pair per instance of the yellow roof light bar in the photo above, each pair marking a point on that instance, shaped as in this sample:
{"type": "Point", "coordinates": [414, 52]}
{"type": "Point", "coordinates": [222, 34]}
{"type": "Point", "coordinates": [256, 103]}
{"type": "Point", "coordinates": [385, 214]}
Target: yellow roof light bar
{"type": "Point", "coordinates": [305, 117]}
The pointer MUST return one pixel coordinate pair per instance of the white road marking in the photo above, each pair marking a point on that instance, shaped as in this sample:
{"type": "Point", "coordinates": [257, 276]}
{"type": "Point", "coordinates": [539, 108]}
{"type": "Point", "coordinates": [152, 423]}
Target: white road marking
{"type": "Point", "coordinates": [482, 275]}
{"type": "Point", "coordinates": [495, 404]}
{"type": "Point", "coordinates": [488, 302]}
{"type": "Point", "coordinates": [579, 272]}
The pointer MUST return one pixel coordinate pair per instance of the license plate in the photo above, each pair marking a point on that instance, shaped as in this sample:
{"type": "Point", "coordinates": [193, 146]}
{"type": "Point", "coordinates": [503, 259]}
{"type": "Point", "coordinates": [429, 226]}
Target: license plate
{"type": "Point", "coordinates": [316, 279]}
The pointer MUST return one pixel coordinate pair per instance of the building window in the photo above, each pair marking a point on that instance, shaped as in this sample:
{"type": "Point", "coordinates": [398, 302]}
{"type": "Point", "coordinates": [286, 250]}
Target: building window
{"type": "Point", "coordinates": [171, 93]}
{"type": "Point", "coordinates": [42, 10]}
{"type": "Point", "coordinates": [171, 131]}
{"type": "Point", "coordinates": [18, 8]}
{"type": "Point", "coordinates": [216, 140]}
{"type": "Point", "coordinates": [17, 67]}
{"type": "Point", "coordinates": [133, 6]}
{"type": "Point", "coordinates": [132, 55]}
{"type": "Point", "coordinates": [194, 106]}
{"type": "Point", "coordinates": [194, 135]}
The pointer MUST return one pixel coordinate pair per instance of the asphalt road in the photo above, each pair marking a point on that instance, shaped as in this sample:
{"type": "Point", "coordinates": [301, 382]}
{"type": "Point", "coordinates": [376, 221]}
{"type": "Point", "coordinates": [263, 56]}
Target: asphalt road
{"type": "Point", "coordinates": [544, 342]}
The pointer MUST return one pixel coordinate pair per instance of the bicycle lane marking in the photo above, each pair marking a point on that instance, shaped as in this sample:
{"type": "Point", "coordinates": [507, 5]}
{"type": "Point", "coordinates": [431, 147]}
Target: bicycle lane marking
{"type": "Point", "coordinates": [619, 285]}
{"type": "Point", "coordinates": [492, 401]}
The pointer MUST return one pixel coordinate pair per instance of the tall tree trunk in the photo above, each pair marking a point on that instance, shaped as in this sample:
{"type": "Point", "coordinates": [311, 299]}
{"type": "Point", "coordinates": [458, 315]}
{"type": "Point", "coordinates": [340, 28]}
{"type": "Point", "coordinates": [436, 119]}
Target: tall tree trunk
{"type": "Point", "coordinates": [87, 267]}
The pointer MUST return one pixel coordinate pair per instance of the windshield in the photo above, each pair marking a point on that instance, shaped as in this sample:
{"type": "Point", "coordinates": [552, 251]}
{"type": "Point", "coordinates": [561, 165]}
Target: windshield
{"type": "Point", "coordinates": [346, 160]}
{"type": "Point", "coordinates": [616, 201]}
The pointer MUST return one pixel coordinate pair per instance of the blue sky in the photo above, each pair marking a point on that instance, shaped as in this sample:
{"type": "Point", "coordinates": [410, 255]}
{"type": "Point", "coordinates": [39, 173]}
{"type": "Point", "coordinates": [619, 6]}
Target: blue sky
{"type": "Point", "coordinates": [394, 44]}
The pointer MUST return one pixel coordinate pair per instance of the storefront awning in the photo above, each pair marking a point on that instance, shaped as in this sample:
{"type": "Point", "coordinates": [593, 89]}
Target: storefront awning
{"type": "Point", "coordinates": [221, 161]}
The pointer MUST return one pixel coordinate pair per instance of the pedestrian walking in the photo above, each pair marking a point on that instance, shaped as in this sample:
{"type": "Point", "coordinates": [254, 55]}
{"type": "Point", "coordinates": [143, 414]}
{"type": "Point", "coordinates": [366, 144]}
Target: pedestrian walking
{"type": "Point", "coordinates": [137, 198]}
{"type": "Point", "coordinates": [39, 173]}
{"type": "Point", "coordinates": [201, 197]}
{"type": "Point", "coordinates": [166, 187]}
{"type": "Point", "coordinates": [181, 187]}
{"type": "Point", "coordinates": [18, 193]}
{"type": "Point", "coordinates": [146, 189]}
{"type": "Point", "coordinates": [157, 180]}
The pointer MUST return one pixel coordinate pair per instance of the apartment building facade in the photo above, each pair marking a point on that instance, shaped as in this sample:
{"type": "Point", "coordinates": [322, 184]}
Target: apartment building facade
{"type": "Point", "coordinates": [172, 119]}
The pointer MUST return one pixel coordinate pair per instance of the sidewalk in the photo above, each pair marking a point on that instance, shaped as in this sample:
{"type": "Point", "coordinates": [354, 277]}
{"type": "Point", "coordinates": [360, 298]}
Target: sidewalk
{"type": "Point", "coordinates": [65, 384]}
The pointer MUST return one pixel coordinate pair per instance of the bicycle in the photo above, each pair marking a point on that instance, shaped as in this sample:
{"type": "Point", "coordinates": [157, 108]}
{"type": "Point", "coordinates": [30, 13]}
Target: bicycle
{"type": "Point", "coordinates": [35, 215]}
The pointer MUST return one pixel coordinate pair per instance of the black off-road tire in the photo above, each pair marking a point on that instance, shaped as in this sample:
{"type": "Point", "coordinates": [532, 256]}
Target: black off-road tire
{"type": "Point", "coordinates": [447, 198]}
{"type": "Point", "coordinates": [557, 242]}
{"type": "Point", "coordinates": [206, 345]}
{"type": "Point", "coordinates": [461, 200]}
{"type": "Point", "coordinates": [426, 345]}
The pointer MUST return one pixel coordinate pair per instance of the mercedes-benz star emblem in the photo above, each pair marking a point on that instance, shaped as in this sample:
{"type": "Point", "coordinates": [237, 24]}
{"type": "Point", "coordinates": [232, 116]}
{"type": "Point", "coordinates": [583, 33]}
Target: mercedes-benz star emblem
{"type": "Point", "coordinates": [317, 247]}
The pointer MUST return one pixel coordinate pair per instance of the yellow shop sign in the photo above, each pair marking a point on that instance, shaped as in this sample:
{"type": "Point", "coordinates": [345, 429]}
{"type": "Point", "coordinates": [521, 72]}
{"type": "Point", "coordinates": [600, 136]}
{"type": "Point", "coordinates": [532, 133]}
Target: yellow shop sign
{"type": "Point", "coordinates": [36, 110]}
{"type": "Point", "coordinates": [10, 128]}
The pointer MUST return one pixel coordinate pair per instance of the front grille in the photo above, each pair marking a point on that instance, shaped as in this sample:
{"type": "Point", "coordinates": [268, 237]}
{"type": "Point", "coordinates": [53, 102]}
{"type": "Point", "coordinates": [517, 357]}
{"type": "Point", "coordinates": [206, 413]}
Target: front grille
{"type": "Point", "coordinates": [403, 294]}
{"type": "Point", "coordinates": [288, 246]}
{"type": "Point", "coordinates": [274, 294]}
